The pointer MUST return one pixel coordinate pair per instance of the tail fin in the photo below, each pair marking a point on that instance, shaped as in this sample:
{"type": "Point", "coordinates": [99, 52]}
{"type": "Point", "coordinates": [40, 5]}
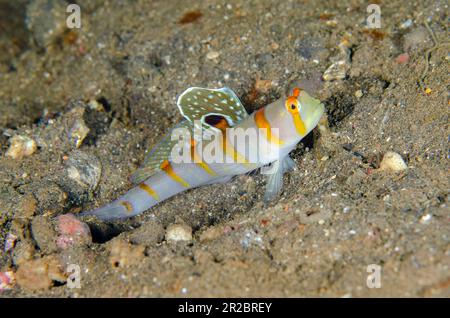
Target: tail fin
{"type": "Point", "coordinates": [108, 212]}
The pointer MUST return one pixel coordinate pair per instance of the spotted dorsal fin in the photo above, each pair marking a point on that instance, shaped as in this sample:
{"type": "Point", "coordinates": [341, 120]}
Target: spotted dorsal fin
{"type": "Point", "coordinates": [198, 103]}
{"type": "Point", "coordinates": [159, 153]}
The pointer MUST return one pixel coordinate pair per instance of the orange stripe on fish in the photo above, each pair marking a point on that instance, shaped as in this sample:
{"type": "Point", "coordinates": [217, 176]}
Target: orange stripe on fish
{"type": "Point", "coordinates": [262, 122]}
{"type": "Point", "coordinates": [149, 190]}
{"type": "Point", "coordinates": [222, 124]}
{"type": "Point", "coordinates": [299, 125]}
{"type": "Point", "coordinates": [128, 206]}
{"type": "Point", "coordinates": [292, 105]}
{"type": "Point", "coordinates": [198, 160]}
{"type": "Point", "coordinates": [228, 149]}
{"type": "Point", "coordinates": [167, 168]}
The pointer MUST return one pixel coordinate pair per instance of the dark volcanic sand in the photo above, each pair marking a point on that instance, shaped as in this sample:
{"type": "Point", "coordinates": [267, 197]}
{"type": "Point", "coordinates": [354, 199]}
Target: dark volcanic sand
{"type": "Point", "coordinates": [337, 213]}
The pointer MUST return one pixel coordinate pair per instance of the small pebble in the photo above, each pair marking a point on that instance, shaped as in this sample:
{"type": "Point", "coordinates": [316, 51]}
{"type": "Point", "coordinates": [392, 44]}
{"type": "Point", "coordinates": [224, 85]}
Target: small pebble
{"type": "Point", "coordinates": [402, 58]}
{"type": "Point", "coordinates": [123, 254]}
{"type": "Point", "coordinates": [251, 238]}
{"type": "Point", "coordinates": [43, 233]}
{"type": "Point", "coordinates": [338, 70]}
{"type": "Point", "coordinates": [406, 24]}
{"type": "Point", "coordinates": [95, 105]}
{"type": "Point", "coordinates": [425, 218]}
{"type": "Point", "coordinates": [358, 93]}
{"type": "Point", "coordinates": [71, 232]}
{"type": "Point", "coordinates": [6, 280]}
{"type": "Point", "coordinates": [40, 273]}
{"type": "Point", "coordinates": [179, 232]}
{"type": "Point", "coordinates": [10, 242]}
{"type": "Point", "coordinates": [26, 207]}
{"type": "Point", "coordinates": [212, 55]}
{"type": "Point", "coordinates": [23, 252]}
{"type": "Point", "coordinates": [78, 132]}
{"type": "Point", "coordinates": [51, 199]}
{"type": "Point", "coordinates": [263, 85]}
{"type": "Point", "coordinates": [20, 147]}
{"type": "Point", "coordinates": [84, 169]}
{"type": "Point", "coordinates": [393, 161]}
{"type": "Point", "coordinates": [211, 233]}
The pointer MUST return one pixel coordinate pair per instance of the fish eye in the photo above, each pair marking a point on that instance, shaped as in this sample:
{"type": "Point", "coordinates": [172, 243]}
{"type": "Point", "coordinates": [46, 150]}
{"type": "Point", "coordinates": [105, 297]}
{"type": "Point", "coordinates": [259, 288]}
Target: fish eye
{"type": "Point", "coordinates": [292, 105]}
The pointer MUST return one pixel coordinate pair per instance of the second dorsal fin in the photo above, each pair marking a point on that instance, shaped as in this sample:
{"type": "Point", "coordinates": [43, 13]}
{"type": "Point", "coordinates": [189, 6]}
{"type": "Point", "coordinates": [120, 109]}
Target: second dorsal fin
{"type": "Point", "coordinates": [158, 154]}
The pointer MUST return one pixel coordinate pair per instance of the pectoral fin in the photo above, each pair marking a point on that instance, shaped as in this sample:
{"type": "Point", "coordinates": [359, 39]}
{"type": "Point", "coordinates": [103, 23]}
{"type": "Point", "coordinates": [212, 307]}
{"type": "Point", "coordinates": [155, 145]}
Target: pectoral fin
{"type": "Point", "coordinates": [275, 177]}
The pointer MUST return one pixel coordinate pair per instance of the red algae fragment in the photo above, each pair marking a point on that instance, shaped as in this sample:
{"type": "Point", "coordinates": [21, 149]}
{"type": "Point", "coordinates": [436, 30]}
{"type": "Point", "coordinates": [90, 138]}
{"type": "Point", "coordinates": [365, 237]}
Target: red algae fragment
{"type": "Point", "coordinates": [190, 17]}
{"type": "Point", "coordinates": [375, 34]}
{"type": "Point", "coordinates": [402, 58]}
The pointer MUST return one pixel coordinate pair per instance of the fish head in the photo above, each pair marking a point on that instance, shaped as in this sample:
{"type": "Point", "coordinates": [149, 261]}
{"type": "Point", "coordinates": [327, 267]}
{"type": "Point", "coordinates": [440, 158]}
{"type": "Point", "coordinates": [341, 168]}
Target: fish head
{"type": "Point", "coordinates": [305, 111]}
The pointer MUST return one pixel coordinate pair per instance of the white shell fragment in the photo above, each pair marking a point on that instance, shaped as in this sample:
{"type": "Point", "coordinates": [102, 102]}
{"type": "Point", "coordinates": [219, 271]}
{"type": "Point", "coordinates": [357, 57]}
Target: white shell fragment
{"type": "Point", "coordinates": [77, 128]}
{"type": "Point", "coordinates": [338, 70]}
{"type": "Point", "coordinates": [393, 161]}
{"type": "Point", "coordinates": [178, 232]}
{"type": "Point", "coordinates": [95, 105]}
{"type": "Point", "coordinates": [83, 168]}
{"type": "Point", "coordinates": [78, 132]}
{"type": "Point", "coordinates": [10, 242]}
{"type": "Point", "coordinates": [212, 55]}
{"type": "Point", "coordinates": [21, 146]}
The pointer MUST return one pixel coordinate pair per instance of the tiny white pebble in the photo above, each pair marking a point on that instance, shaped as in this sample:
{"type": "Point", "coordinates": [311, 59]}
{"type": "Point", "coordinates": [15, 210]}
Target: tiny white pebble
{"type": "Point", "coordinates": [425, 218]}
{"type": "Point", "coordinates": [20, 147]}
{"type": "Point", "coordinates": [393, 161]}
{"type": "Point", "coordinates": [212, 55]}
{"type": "Point", "coordinates": [179, 232]}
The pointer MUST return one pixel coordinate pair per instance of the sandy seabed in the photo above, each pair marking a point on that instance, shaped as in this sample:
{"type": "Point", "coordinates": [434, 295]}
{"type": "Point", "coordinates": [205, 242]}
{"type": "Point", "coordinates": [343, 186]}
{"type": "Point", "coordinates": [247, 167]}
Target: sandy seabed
{"type": "Point", "coordinates": [93, 100]}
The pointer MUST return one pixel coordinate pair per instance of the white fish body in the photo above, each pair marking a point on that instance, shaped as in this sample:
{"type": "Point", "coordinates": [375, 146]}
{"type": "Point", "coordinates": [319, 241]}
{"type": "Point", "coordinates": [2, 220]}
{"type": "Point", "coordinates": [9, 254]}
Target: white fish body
{"type": "Point", "coordinates": [273, 132]}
